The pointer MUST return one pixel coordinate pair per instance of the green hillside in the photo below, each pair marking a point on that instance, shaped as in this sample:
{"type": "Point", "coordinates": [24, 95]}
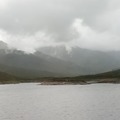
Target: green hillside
{"type": "Point", "coordinates": [110, 74]}
{"type": "Point", "coordinates": [7, 78]}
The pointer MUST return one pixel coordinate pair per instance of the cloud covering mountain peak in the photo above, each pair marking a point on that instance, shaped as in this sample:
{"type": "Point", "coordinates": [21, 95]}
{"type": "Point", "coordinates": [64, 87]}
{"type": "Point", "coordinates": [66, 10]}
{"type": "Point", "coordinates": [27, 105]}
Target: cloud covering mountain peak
{"type": "Point", "coordinates": [30, 24]}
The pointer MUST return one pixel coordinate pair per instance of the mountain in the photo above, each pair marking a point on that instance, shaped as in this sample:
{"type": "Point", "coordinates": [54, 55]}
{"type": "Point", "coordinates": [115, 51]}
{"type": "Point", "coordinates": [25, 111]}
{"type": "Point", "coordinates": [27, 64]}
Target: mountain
{"type": "Point", "coordinates": [25, 73]}
{"type": "Point", "coordinates": [36, 65]}
{"type": "Point", "coordinates": [57, 62]}
{"type": "Point", "coordinates": [92, 61]}
{"type": "Point", "coordinates": [3, 45]}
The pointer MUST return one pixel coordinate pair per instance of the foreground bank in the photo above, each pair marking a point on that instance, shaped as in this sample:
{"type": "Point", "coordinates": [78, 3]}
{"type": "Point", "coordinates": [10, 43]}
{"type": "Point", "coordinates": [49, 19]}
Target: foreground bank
{"type": "Point", "coordinates": [108, 77]}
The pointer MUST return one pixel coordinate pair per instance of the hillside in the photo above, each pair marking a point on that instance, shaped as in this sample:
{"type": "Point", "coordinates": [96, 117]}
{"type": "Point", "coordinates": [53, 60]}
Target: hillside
{"type": "Point", "coordinates": [56, 62]}
{"type": "Point", "coordinates": [21, 64]}
{"type": "Point", "coordinates": [26, 73]}
{"type": "Point", "coordinates": [7, 78]}
{"type": "Point", "coordinates": [91, 60]}
{"type": "Point", "coordinates": [107, 77]}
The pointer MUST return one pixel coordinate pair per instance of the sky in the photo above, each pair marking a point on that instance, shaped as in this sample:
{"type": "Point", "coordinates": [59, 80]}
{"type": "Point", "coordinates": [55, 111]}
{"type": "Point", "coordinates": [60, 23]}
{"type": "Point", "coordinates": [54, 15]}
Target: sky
{"type": "Point", "coordinates": [30, 24]}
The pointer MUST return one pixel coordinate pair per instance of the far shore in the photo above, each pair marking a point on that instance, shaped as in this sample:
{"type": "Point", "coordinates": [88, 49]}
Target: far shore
{"type": "Point", "coordinates": [64, 81]}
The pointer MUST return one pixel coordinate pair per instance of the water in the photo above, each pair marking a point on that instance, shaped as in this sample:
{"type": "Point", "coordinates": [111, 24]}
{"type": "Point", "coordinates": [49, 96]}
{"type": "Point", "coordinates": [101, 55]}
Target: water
{"type": "Point", "coordinates": [69, 102]}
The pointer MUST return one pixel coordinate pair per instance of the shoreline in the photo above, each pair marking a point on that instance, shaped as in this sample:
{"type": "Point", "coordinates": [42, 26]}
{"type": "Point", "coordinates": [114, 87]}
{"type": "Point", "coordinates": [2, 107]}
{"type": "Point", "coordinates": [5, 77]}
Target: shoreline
{"type": "Point", "coordinates": [61, 81]}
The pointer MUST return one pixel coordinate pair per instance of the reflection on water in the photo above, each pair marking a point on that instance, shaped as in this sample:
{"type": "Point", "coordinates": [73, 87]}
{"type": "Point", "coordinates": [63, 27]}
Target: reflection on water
{"type": "Point", "coordinates": [69, 102]}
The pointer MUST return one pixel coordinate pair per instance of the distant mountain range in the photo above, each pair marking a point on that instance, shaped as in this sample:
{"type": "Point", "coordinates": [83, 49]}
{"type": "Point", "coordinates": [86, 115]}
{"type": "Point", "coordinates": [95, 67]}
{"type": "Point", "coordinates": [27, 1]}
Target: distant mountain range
{"type": "Point", "coordinates": [21, 64]}
{"type": "Point", "coordinates": [56, 62]}
{"type": "Point", "coordinates": [91, 60]}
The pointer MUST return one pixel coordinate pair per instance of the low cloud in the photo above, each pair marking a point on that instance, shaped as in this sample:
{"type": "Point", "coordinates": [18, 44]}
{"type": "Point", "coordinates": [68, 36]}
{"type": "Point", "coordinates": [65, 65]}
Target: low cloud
{"type": "Point", "coordinates": [80, 35]}
{"type": "Point", "coordinates": [92, 39]}
{"type": "Point", "coordinates": [30, 24]}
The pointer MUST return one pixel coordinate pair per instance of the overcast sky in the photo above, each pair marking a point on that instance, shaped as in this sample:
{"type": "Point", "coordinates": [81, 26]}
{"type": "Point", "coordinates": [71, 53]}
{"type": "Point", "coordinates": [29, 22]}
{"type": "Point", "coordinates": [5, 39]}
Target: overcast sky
{"type": "Point", "coordinates": [29, 24]}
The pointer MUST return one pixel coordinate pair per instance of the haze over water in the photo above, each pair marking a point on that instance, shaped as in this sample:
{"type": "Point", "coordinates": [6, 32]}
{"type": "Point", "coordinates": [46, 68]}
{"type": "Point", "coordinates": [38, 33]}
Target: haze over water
{"type": "Point", "coordinates": [67, 102]}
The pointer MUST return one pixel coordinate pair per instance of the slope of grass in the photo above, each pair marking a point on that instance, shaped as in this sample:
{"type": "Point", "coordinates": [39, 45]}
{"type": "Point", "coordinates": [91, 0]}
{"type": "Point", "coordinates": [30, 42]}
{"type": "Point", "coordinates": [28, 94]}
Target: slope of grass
{"type": "Point", "coordinates": [108, 77]}
{"type": "Point", "coordinates": [7, 78]}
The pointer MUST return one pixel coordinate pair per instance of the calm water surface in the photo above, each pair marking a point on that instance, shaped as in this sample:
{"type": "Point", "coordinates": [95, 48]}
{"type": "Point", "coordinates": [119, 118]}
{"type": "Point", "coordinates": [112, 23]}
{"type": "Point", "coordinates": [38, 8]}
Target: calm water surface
{"type": "Point", "coordinates": [69, 102]}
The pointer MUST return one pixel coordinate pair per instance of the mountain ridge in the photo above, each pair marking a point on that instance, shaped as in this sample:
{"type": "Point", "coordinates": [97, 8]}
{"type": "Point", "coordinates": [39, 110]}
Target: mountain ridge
{"type": "Point", "coordinates": [36, 64]}
{"type": "Point", "coordinates": [92, 60]}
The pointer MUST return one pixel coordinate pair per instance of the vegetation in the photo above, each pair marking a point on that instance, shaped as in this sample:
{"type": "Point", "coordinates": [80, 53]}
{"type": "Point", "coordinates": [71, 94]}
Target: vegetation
{"type": "Point", "coordinates": [108, 77]}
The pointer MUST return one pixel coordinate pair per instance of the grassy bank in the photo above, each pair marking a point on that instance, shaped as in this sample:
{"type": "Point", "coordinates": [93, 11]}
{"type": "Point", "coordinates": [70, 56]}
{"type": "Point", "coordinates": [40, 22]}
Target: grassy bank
{"type": "Point", "coordinates": [108, 77]}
